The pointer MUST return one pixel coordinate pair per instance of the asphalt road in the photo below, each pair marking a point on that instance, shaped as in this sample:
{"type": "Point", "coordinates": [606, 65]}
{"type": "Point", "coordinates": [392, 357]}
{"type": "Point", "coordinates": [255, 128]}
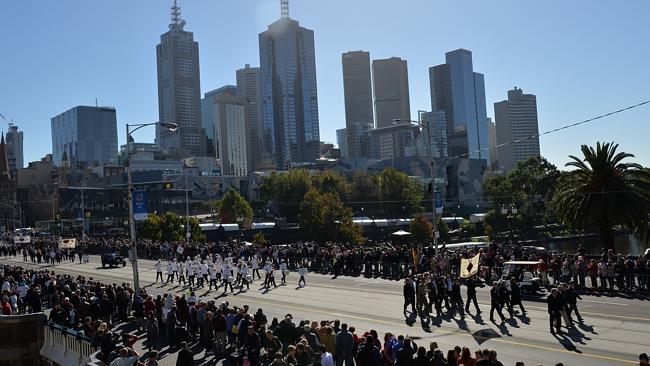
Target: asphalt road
{"type": "Point", "coordinates": [614, 331]}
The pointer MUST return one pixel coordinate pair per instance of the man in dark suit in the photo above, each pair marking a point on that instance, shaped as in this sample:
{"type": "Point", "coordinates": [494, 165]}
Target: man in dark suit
{"type": "Point", "coordinates": [185, 356]}
{"type": "Point", "coordinates": [409, 295]}
{"type": "Point", "coordinates": [554, 306]}
{"type": "Point", "coordinates": [515, 296]}
{"type": "Point", "coordinates": [471, 294]}
{"type": "Point", "coordinates": [495, 302]}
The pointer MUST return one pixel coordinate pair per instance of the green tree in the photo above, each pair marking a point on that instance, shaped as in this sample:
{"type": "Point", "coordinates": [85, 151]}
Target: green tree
{"type": "Point", "coordinates": [421, 229]}
{"type": "Point", "coordinates": [287, 190]}
{"type": "Point", "coordinates": [150, 228]}
{"type": "Point", "coordinates": [604, 191]}
{"type": "Point", "coordinates": [323, 217]}
{"type": "Point", "coordinates": [332, 182]}
{"type": "Point", "coordinates": [365, 193]}
{"type": "Point", "coordinates": [234, 208]}
{"type": "Point", "coordinates": [170, 227]}
{"type": "Point", "coordinates": [260, 240]}
{"type": "Point", "coordinates": [400, 194]}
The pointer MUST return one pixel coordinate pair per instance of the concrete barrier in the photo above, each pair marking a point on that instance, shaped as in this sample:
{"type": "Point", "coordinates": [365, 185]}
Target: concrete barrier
{"type": "Point", "coordinates": [22, 339]}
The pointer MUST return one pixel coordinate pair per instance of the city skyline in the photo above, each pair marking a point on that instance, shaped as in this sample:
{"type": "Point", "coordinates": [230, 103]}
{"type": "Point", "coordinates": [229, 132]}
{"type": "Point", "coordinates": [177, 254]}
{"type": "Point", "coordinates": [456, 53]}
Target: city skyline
{"type": "Point", "coordinates": [585, 47]}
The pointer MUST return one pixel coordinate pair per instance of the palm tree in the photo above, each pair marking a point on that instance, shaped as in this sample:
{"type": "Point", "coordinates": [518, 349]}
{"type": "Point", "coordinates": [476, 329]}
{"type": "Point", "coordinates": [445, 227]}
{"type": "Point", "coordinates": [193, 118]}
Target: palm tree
{"type": "Point", "coordinates": [603, 192]}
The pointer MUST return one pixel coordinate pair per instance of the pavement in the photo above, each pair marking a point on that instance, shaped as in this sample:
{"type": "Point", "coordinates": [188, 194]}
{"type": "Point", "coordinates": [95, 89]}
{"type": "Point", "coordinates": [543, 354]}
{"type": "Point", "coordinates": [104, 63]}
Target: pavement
{"type": "Point", "coordinates": [614, 330]}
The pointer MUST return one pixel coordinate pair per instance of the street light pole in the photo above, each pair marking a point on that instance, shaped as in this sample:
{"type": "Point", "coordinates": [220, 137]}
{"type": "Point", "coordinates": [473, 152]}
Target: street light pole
{"type": "Point", "coordinates": [134, 247]}
{"type": "Point", "coordinates": [187, 210]}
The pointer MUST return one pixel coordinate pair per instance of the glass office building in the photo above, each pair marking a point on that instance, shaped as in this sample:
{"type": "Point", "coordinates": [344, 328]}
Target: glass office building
{"type": "Point", "coordinates": [289, 128]}
{"type": "Point", "coordinates": [88, 135]}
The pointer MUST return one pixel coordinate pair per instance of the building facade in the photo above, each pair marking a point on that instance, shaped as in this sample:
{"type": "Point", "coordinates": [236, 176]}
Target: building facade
{"type": "Point", "coordinates": [14, 142]}
{"type": "Point", "coordinates": [436, 134]}
{"type": "Point", "coordinates": [86, 135]}
{"type": "Point", "coordinates": [230, 132]}
{"type": "Point", "coordinates": [516, 121]}
{"type": "Point", "coordinates": [290, 126]}
{"type": "Point", "coordinates": [248, 86]}
{"type": "Point", "coordinates": [179, 91]}
{"type": "Point", "coordinates": [460, 92]}
{"type": "Point", "coordinates": [207, 115]}
{"type": "Point", "coordinates": [492, 143]}
{"type": "Point", "coordinates": [357, 90]}
{"type": "Point", "coordinates": [342, 141]}
{"type": "Point", "coordinates": [391, 87]}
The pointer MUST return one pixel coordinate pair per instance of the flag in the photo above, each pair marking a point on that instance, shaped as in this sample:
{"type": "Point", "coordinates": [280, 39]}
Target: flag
{"type": "Point", "coordinates": [67, 243]}
{"type": "Point", "coordinates": [469, 267]}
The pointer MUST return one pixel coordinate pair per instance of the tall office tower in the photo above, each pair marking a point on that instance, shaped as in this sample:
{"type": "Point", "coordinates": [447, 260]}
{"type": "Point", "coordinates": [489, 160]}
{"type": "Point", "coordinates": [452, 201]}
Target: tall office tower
{"type": "Point", "coordinates": [208, 116]}
{"type": "Point", "coordinates": [436, 133]}
{"type": "Point", "coordinates": [516, 120]}
{"type": "Point", "coordinates": [248, 86]}
{"type": "Point", "coordinates": [391, 84]}
{"type": "Point", "coordinates": [229, 113]}
{"type": "Point", "coordinates": [289, 94]}
{"type": "Point", "coordinates": [14, 139]}
{"type": "Point", "coordinates": [179, 91]}
{"type": "Point", "coordinates": [342, 141]}
{"type": "Point", "coordinates": [460, 92]}
{"type": "Point", "coordinates": [86, 135]}
{"type": "Point", "coordinates": [492, 143]}
{"type": "Point", "coordinates": [357, 90]}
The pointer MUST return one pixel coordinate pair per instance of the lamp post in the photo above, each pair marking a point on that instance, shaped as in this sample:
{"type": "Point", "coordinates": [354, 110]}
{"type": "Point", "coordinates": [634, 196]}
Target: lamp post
{"type": "Point", "coordinates": [433, 179]}
{"type": "Point", "coordinates": [187, 210]}
{"type": "Point", "coordinates": [509, 212]}
{"type": "Point", "coordinates": [129, 140]}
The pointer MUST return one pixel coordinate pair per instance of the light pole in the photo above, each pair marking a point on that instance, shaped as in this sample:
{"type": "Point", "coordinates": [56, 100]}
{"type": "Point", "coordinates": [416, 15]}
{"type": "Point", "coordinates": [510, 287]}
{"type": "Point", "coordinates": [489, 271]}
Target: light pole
{"type": "Point", "coordinates": [187, 210]}
{"type": "Point", "coordinates": [433, 179]}
{"type": "Point", "coordinates": [129, 139]}
{"type": "Point", "coordinates": [509, 212]}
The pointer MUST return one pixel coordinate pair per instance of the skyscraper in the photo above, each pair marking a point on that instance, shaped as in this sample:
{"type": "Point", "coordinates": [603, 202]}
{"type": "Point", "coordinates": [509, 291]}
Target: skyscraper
{"type": "Point", "coordinates": [342, 141]}
{"type": "Point", "coordinates": [436, 133]}
{"type": "Point", "coordinates": [230, 131]}
{"type": "Point", "coordinates": [290, 128]}
{"type": "Point", "coordinates": [492, 143]}
{"type": "Point", "coordinates": [357, 89]}
{"type": "Point", "coordinates": [208, 116]}
{"type": "Point", "coordinates": [391, 85]}
{"type": "Point", "coordinates": [86, 135]}
{"type": "Point", "coordinates": [248, 86]}
{"type": "Point", "coordinates": [516, 119]}
{"type": "Point", "coordinates": [14, 140]}
{"type": "Point", "coordinates": [179, 91]}
{"type": "Point", "coordinates": [460, 92]}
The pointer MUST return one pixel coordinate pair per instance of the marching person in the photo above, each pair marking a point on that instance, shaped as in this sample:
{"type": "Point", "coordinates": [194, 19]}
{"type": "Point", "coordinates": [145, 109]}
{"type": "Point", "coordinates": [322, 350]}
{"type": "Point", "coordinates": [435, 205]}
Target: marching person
{"type": "Point", "coordinates": [283, 271]}
{"type": "Point", "coordinates": [554, 305]}
{"type": "Point", "coordinates": [170, 272]}
{"type": "Point", "coordinates": [515, 297]}
{"type": "Point", "coordinates": [471, 294]}
{"type": "Point", "coordinates": [495, 302]}
{"type": "Point", "coordinates": [245, 277]}
{"type": "Point", "coordinates": [572, 300]}
{"type": "Point", "coordinates": [409, 295]}
{"type": "Point", "coordinates": [302, 271]}
{"type": "Point", "coordinates": [159, 271]}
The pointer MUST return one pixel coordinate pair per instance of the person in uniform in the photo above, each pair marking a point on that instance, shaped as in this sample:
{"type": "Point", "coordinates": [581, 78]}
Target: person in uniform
{"type": "Point", "coordinates": [409, 295]}
{"type": "Point", "coordinates": [553, 302]}
{"type": "Point", "coordinates": [515, 297]}
{"type": "Point", "coordinates": [495, 302]}
{"type": "Point", "coordinates": [159, 271]}
{"type": "Point", "coordinates": [471, 294]}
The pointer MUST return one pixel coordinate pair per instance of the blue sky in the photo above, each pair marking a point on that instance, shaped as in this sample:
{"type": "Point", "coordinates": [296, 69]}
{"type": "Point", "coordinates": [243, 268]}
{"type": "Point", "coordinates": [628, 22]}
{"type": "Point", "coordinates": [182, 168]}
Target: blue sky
{"type": "Point", "coordinates": [581, 58]}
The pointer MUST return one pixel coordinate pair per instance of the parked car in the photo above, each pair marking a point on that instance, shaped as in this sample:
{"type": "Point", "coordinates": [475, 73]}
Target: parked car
{"type": "Point", "coordinates": [522, 271]}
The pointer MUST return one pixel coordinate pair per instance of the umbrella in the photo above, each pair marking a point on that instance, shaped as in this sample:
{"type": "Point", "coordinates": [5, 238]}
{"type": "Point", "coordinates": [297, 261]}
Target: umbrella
{"type": "Point", "coordinates": [401, 233]}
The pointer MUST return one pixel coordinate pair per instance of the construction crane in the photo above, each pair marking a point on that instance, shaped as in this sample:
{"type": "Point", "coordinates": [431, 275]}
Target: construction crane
{"type": "Point", "coordinates": [9, 122]}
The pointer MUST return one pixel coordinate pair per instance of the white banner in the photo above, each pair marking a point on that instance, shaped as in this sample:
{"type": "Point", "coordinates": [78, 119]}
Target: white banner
{"type": "Point", "coordinates": [469, 267]}
{"type": "Point", "coordinates": [67, 243]}
{"type": "Point", "coordinates": [22, 239]}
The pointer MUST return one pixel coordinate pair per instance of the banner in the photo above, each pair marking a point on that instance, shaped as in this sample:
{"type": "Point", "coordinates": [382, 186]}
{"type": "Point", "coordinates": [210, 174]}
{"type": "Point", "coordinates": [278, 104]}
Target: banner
{"type": "Point", "coordinates": [469, 267]}
{"type": "Point", "coordinates": [140, 205]}
{"type": "Point", "coordinates": [438, 200]}
{"type": "Point", "coordinates": [22, 239]}
{"type": "Point", "coordinates": [67, 243]}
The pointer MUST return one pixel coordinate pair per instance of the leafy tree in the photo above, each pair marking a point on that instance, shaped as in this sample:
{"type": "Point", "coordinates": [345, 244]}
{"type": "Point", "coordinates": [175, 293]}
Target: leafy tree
{"type": "Point", "coordinates": [604, 191]}
{"type": "Point", "coordinates": [287, 190]}
{"type": "Point", "coordinates": [332, 182]}
{"type": "Point", "coordinates": [170, 227]}
{"type": "Point", "coordinates": [400, 194]}
{"type": "Point", "coordinates": [365, 193]}
{"type": "Point", "coordinates": [421, 229]}
{"type": "Point", "coordinates": [260, 240]}
{"type": "Point", "coordinates": [323, 217]}
{"type": "Point", "coordinates": [234, 207]}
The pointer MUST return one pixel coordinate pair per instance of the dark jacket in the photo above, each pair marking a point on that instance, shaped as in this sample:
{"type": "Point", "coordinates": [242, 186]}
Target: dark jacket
{"type": "Point", "coordinates": [185, 357]}
{"type": "Point", "coordinates": [554, 304]}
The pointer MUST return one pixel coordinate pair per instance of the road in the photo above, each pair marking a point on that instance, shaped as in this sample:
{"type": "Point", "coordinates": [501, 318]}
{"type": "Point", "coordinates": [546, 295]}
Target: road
{"type": "Point", "coordinates": [614, 331]}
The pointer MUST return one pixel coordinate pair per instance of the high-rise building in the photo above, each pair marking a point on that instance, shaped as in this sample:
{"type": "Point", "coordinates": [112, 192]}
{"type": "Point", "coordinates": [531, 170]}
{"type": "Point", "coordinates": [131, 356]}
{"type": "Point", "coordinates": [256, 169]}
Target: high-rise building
{"type": "Point", "coordinates": [179, 91]}
{"type": "Point", "coordinates": [229, 115]}
{"type": "Point", "coordinates": [85, 135]}
{"type": "Point", "coordinates": [516, 122]}
{"type": "Point", "coordinates": [14, 139]}
{"type": "Point", "coordinates": [342, 141]}
{"type": "Point", "coordinates": [436, 133]}
{"type": "Point", "coordinates": [208, 116]}
{"type": "Point", "coordinates": [248, 86]}
{"type": "Point", "coordinates": [357, 90]}
{"type": "Point", "coordinates": [391, 86]}
{"type": "Point", "coordinates": [460, 92]}
{"type": "Point", "coordinates": [290, 128]}
{"type": "Point", "coordinates": [492, 143]}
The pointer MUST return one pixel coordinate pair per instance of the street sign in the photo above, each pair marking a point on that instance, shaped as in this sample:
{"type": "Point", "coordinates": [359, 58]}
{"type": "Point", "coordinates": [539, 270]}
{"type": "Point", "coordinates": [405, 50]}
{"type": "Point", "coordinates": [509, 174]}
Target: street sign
{"type": "Point", "coordinates": [438, 200]}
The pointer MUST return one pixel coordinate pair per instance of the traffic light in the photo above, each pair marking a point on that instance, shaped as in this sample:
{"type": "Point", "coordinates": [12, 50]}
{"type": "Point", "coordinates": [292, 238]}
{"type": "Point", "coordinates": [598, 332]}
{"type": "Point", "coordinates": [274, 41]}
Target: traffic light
{"type": "Point", "coordinates": [168, 185]}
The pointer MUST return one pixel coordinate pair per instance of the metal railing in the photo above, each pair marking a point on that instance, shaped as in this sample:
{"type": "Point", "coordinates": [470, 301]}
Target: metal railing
{"type": "Point", "coordinates": [66, 346]}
